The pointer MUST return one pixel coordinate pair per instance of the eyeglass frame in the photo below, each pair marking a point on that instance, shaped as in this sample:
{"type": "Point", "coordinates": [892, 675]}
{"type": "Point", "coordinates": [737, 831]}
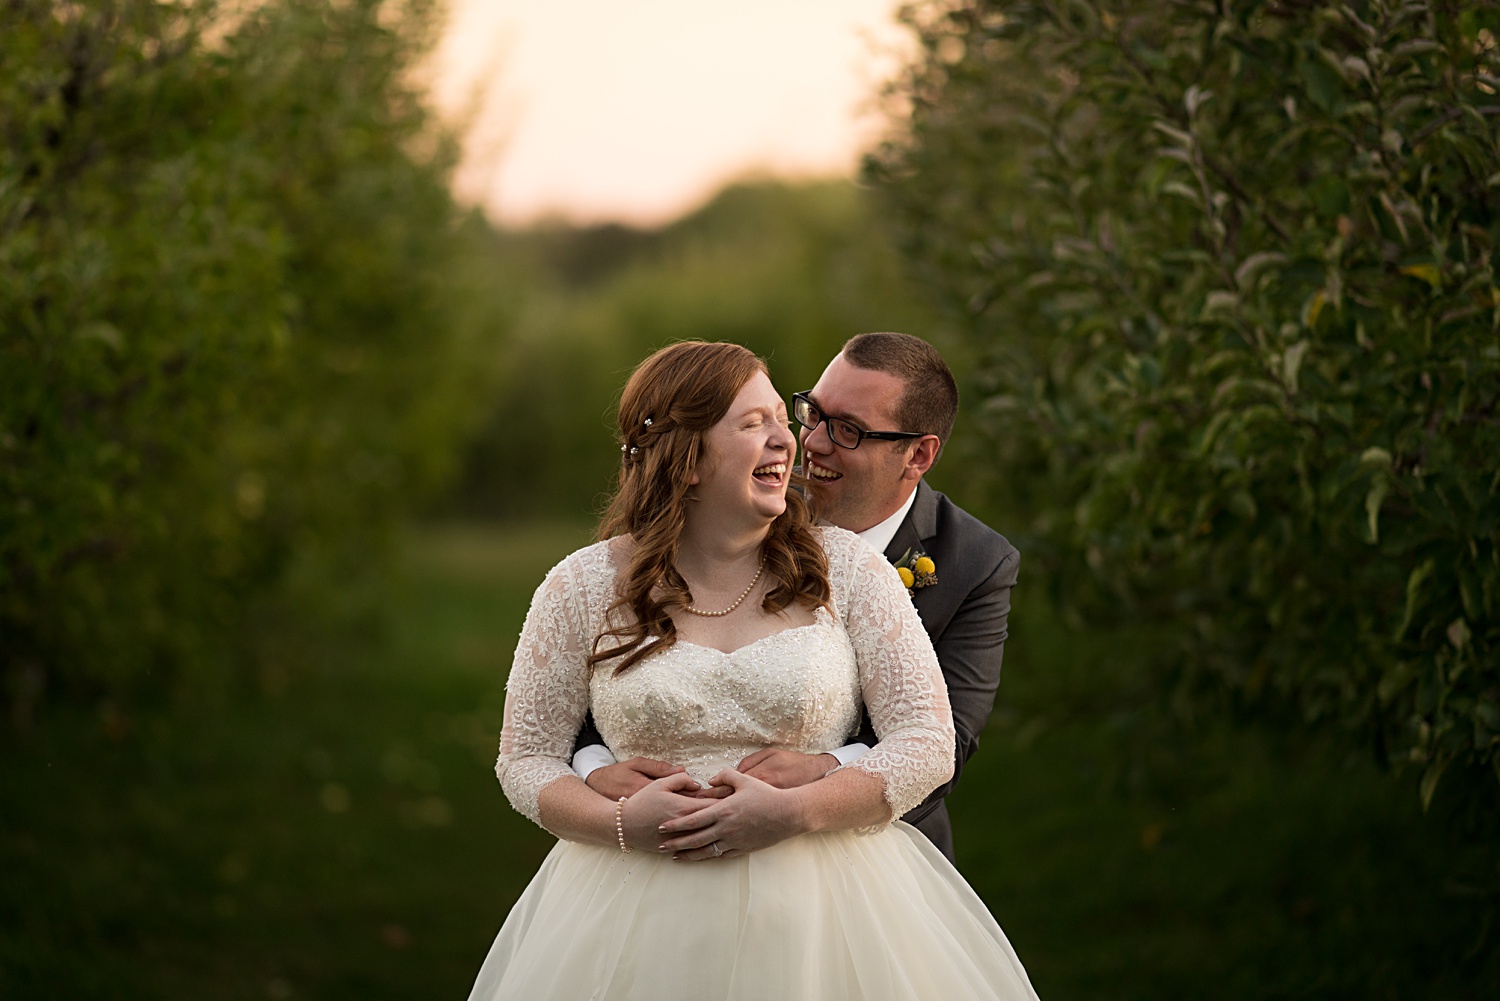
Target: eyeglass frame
{"type": "Point", "coordinates": [800, 400]}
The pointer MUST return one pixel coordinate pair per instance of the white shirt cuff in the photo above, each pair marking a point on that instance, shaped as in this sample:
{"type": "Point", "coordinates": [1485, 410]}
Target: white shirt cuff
{"type": "Point", "coordinates": [589, 758]}
{"type": "Point", "coordinates": [845, 754]}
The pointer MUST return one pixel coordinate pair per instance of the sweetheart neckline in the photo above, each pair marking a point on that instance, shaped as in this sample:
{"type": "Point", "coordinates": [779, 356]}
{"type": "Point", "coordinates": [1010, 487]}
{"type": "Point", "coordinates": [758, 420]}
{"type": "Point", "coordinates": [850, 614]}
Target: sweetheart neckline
{"type": "Point", "coordinates": [746, 646]}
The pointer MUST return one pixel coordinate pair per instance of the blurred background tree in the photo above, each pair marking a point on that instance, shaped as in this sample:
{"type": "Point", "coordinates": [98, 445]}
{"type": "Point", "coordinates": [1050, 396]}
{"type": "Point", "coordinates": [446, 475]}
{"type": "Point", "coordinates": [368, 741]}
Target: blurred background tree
{"type": "Point", "coordinates": [230, 328]}
{"type": "Point", "coordinates": [1230, 266]}
{"type": "Point", "coordinates": [790, 272]}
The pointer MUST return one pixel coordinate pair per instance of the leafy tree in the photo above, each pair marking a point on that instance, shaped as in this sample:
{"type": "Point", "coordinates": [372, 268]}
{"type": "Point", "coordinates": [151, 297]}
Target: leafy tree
{"type": "Point", "coordinates": [228, 258]}
{"type": "Point", "coordinates": [1230, 264]}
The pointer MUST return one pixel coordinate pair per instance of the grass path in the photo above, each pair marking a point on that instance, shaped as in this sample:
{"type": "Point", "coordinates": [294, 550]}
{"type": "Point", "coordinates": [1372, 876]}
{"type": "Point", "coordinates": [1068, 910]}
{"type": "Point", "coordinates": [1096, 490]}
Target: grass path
{"type": "Point", "coordinates": [334, 830]}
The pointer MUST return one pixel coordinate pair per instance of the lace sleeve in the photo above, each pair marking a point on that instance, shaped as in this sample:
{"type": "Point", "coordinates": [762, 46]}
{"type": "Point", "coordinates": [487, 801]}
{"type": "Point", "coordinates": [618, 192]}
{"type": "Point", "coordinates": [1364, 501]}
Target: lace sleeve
{"type": "Point", "coordinates": [902, 684]}
{"type": "Point", "coordinates": [547, 693]}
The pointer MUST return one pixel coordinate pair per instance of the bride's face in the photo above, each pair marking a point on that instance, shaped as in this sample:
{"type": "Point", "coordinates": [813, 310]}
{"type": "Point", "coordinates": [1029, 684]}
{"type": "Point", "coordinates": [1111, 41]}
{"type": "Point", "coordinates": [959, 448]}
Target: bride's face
{"type": "Point", "coordinates": [747, 455]}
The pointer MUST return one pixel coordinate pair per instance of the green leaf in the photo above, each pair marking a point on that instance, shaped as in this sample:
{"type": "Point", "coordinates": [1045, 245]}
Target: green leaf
{"type": "Point", "coordinates": [1313, 308]}
{"type": "Point", "coordinates": [1322, 83]}
{"type": "Point", "coordinates": [1291, 364]}
{"type": "Point", "coordinates": [1430, 777]}
{"type": "Point", "coordinates": [1394, 681]}
{"type": "Point", "coordinates": [1251, 267]}
{"type": "Point", "coordinates": [1242, 504]}
{"type": "Point", "coordinates": [1173, 132]}
{"type": "Point", "coordinates": [1182, 191]}
{"type": "Point", "coordinates": [1414, 584]}
{"type": "Point", "coordinates": [1425, 272]}
{"type": "Point", "coordinates": [1219, 301]}
{"type": "Point", "coordinates": [1195, 98]}
{"type": "Point", "coordinates": [1469, 591]}
{"type": "Point", "coordinates": [1373, 500]}
{"type": "Point", "coordinates": [1414, 47]}
{"type": "Point", "coordinates": [106, 333]}
{"type": "Point", "coordinates": [1458, 634]}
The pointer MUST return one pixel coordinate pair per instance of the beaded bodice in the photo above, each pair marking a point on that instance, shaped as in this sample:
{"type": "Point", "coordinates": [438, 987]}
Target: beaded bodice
{"type": "Point", "coordinates": [706, 709]}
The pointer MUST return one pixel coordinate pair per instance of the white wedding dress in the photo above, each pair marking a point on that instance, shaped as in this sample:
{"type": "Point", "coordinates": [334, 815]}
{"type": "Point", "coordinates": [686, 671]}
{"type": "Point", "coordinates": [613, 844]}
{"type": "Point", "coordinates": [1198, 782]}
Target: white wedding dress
{"type": "Point", "coordinates": [872, 914]}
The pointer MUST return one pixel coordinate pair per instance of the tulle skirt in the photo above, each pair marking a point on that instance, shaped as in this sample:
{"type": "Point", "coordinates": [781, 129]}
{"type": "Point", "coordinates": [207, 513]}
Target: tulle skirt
{"type": "Point", "coordinates": [818, 917]}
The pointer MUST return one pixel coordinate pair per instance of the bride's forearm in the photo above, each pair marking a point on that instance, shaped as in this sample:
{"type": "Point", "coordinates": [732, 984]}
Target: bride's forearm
{"type": "Point", "coordinates": [844, 799]}
{"type": "Point", "coordinates": [574, 812]}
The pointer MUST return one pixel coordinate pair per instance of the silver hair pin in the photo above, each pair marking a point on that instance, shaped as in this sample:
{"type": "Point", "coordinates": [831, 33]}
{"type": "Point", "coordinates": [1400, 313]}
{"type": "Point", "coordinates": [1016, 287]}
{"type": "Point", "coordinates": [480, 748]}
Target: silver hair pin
{"type": "Point", "coordinates": [647, 422]}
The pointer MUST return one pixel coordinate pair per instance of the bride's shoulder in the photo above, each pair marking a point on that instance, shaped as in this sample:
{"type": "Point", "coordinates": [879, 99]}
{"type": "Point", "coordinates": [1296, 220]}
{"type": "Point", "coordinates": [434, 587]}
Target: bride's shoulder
{"type": "Point", "coordinates": [578, 582]}
{"type": "Point", "coordinates": [846, 551]}
{"type": "Point", "coordinates": [582, 566]}
{"type": "Point", "coordinates": [840, 542]}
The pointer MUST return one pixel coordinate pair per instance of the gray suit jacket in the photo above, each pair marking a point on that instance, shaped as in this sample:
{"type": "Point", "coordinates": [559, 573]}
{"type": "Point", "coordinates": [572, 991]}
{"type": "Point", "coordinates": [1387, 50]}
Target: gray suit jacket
{"type": "Point", "coordinates": [966, 614]}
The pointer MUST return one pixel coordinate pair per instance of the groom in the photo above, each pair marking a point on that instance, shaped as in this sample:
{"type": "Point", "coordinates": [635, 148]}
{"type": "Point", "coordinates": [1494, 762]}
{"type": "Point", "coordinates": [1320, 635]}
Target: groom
{"type": "Point", "coordinates": [871, 428]}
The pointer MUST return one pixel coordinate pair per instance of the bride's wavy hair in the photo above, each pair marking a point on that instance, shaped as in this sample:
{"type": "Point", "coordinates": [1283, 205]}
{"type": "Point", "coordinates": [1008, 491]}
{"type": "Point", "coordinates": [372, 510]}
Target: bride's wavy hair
{"type": "Point", "coordinates": [670, 402]}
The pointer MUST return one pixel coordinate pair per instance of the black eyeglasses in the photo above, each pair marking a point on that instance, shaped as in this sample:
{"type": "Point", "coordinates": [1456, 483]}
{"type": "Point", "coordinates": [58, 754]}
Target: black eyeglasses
{"type": "Point", "coordinates": [840, 431]}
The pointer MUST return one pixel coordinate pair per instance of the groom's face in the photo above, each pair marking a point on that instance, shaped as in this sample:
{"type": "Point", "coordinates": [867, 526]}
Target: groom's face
{"type": "Point", "coordinates": [857, 488]}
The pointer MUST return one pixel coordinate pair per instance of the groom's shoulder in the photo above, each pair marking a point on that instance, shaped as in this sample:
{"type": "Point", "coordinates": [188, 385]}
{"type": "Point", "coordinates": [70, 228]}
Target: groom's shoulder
{"type": "Point", "coordinates": [961, 532]}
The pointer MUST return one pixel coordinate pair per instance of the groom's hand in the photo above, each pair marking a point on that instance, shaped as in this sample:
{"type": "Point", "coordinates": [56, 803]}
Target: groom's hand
{"type": "Point", "coordinates": [628, 777]}
{"type": "Point", "coordinates": [785, 769]}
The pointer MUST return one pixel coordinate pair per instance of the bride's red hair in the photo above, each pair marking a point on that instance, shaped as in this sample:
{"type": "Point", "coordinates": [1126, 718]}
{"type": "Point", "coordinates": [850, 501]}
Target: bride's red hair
{"type": "Point", "coordinates": [684, 389]}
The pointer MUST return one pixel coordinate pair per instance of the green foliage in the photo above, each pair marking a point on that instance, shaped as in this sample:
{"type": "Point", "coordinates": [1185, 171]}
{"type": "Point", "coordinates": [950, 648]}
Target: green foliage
{"type": "Point", "coordinates": [1231, 264]}
{"type": "Point", "coordinates": [227, 254]}
{"type": "Point", "coordinates": [790, 272]}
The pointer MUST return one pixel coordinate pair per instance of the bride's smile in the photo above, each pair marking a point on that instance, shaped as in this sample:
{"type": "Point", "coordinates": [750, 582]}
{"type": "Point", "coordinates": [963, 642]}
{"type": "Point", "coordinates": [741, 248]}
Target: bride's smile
{"type": "Point", "coordinates": [773, 474]}
{"type": "Point", "coordinates": [747, 457]}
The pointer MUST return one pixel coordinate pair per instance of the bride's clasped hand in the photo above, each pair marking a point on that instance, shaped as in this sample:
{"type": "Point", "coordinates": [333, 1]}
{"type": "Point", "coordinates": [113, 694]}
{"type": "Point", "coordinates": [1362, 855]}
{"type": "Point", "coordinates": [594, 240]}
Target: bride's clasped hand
{"type": "Point", "coordinates": [681, 816]}
{"type": "Point", "coordinates": [754, 816]}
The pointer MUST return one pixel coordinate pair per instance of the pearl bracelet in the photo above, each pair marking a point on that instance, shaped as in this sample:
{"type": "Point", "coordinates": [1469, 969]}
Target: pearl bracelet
{"type": "Point", "coordinates": [620, 825]}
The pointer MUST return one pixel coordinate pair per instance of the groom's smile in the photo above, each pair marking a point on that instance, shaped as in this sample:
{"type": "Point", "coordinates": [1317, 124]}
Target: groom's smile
{"type": "Point", "coordinates": [821, 472]}
{"type": "Point", "coordinates": [859, 487]}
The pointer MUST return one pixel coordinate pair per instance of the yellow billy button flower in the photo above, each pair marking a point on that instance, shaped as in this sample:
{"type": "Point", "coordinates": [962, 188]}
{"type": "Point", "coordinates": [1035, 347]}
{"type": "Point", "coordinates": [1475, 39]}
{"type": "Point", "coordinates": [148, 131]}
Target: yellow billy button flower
{"type": "Point", "coordinates": [916, 570]}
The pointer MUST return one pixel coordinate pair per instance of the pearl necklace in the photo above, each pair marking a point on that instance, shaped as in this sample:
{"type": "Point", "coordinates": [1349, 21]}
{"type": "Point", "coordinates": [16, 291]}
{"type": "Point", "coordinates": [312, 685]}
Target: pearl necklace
{"type": "Point", "coordinates": [743, 594]}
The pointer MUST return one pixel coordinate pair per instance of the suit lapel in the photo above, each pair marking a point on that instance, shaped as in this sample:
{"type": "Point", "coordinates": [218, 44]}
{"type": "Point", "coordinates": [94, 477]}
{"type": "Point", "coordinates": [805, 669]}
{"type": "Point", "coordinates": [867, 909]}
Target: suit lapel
{"type": "Point", "coordinates": [919, 525]}
{"type": "Point", "coordinates": [917, 529]}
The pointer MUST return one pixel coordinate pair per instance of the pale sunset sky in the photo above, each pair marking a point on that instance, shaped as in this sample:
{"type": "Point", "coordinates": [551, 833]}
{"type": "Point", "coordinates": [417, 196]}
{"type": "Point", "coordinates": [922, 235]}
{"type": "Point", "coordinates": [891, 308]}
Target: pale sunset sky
{"type": "Point", "coordinates": [637, 111]}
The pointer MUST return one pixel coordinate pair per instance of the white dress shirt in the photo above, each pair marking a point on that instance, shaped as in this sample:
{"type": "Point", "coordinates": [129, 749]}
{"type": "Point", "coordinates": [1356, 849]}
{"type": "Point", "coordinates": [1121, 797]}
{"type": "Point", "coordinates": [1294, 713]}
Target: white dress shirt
{"type": "Point", "coordinates": [881, 535]}
{"type": "Point", "coordinates": [596, 756]}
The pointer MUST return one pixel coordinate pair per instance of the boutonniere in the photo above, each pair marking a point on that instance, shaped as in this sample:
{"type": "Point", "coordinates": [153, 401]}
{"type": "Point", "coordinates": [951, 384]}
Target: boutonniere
{"type": "Point", "coordinates": [916, 570]}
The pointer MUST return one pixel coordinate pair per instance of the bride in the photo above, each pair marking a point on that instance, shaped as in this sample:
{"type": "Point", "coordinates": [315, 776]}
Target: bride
{"type": "Point", "coordinates": [711, 621]}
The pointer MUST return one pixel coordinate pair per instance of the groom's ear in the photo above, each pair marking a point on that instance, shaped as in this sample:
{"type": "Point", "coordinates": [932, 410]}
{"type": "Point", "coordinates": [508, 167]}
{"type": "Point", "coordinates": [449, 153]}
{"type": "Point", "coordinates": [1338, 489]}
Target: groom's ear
{"type": "Point", "coordinates": [920, 457]}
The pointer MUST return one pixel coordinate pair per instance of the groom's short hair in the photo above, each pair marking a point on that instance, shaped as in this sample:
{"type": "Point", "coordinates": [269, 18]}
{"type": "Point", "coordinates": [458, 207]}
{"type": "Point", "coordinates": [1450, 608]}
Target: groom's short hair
{"type": "Point", "coordinates": [929, 402]}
